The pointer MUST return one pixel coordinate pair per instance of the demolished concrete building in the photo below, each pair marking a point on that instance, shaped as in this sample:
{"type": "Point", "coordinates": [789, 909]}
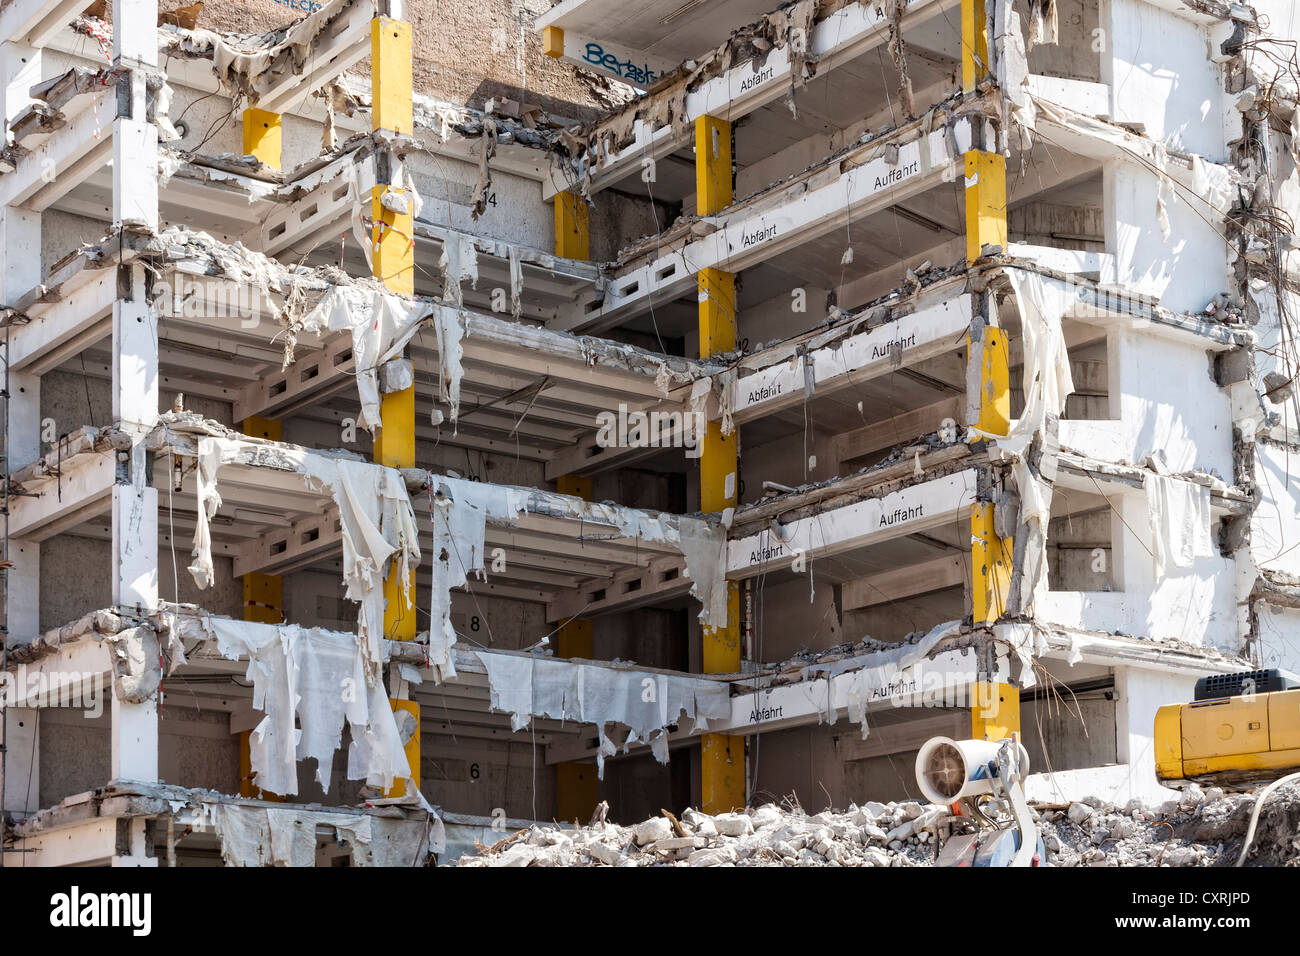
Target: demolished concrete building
{"type": "Point", "coordinates": [704, 410]}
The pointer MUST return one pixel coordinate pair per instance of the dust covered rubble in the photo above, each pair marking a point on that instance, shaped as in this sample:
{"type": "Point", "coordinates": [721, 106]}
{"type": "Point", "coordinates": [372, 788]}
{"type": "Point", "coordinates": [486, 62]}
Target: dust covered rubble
{"type": "Point", "coordinates": [1200, 828]}
{"type": "Point", "coordinates": [892, 834]}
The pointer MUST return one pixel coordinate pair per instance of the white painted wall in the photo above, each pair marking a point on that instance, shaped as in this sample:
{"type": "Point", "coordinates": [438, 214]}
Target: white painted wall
{"type": "Point", "coordinates": [1279, 638]}
{"type": "Point", "coordinates": [1184, 271]}
{"type": "Point", "coordinates": [1161, 77]}
{"type": "Point", "coordinates": [1195, 604]}
{"type": "Point", "coordinates": [1166, 400]}
{"type": "Point", "coordinates": [1140, 692]}
{"type": "Point", "coordinates": [1275, 525]}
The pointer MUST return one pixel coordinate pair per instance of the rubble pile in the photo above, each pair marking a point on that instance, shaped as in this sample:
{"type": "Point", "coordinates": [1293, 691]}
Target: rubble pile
{"type": "Point", "coordinates": [893, 834]}
{"type": "Point", "coordinates": [1201, 828]}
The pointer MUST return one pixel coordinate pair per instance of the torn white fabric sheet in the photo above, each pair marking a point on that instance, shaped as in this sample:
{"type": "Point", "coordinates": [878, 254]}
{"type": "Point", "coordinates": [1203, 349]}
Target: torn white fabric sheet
{"type": "Point", "coordinates": [376, 518]}
{"type": "Point", "coordinates": [1046, 382]}
{"type": "Point", "coordinates": [1211, 186]}
{"type": "Point", "coordinates": [1179, 514]}
{"type": "Point", "coordinates": [381, 325]}
{"type": "Point", "coordinates": [213, 453]}
{"type": "Point", "coordinates": [459, 262]}
{"type": "Point", "coordinates": [1027, 641]}
{"type": "Point", "coordinates": [703, 546]}
{"type": "Point", "coordinates": [460, 513]}
{"type": "Point", "coordinates": [307, 681]}
{"type": "Point", "coordinates": [378, 523]}
{"type": "Point", "coordinates": [449, 324]}
{"type": "Point", "coordinates": [1046, 378]}
{"type": "Point", "coordinates": [516, 281]}
{"type": "Point", "coordinates": [875, 673]}
{"type": "Point", "coordinates": [726, 401]}
{"type": "Point", "coordinates": [528, 686]}
{"type": "Point", "coordinates": [701, 542]}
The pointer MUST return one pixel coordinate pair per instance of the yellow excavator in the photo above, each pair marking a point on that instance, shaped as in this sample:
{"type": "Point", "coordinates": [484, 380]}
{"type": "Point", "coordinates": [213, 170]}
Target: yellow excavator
{"type": "Point", "coordinates": [1239, 731]}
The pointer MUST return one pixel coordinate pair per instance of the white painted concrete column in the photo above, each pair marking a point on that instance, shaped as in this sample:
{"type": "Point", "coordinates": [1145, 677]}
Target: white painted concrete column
{"type": "Point", "coordinates": [20, 242]}
{"type": "Point", "coordinates": [1140, 692]}
{"type": "Point", "coordinates": [135, 375]}
{"type": "Point", "coordinates": [20, 776]}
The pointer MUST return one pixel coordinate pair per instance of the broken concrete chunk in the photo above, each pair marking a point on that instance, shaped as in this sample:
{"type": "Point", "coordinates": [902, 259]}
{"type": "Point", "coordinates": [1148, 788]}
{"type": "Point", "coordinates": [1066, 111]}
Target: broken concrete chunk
{"type": "Point", "coordinates": [1079, 812]}
{"type": "Point", "coordinates": [652, 830]}
{"type": "Point", "coordinates": [733, 824]}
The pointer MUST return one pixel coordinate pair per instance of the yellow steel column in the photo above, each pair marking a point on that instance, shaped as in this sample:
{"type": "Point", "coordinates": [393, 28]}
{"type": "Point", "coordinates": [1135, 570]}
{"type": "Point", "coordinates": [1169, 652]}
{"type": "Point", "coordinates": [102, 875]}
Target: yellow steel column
{"type": "Point", "coordinates": [722, 756]}
{"type": "Point", "coordinates": [577, 791]}
{"type": "Point", "coordinates": [262, 135]}
{"type": "Point", "coordinates": [986, 202]}
{"type": "Point", "coordinates": [553, 42]}
{"type": "Point", "coordinates": [974, 44]}
{"type": "Point", "coordinates": [393, 262]}
{"type": "Point", "coordinates": [995, 712]}
{"type": "Point", "coordinates": [572, 227]}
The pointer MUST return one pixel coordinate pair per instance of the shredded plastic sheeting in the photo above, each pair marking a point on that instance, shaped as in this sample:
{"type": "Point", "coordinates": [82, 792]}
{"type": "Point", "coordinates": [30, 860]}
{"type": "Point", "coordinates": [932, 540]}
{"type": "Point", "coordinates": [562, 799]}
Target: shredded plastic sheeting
{"type": "Point", "coordinates": [273, 836]}
{"type": "Point", "coordinates": [516, 281]}
{"type": "Point", "coordinates": [1179, 512]}
{"type": "Point", "coordinates": [530, 686]}
{"type": "Point", "coordinates": [1046, 377]}
{"type": "Point", "coordinates": [381, 325]}
{"type": "Point", "coordinates": [1212, 184]}
{"type": "Point", "coordinates": [377, 525]}
{"type": "Point", "coordinates": [307, 681]}
{"type": "Point", "coordinates": [704, 548]}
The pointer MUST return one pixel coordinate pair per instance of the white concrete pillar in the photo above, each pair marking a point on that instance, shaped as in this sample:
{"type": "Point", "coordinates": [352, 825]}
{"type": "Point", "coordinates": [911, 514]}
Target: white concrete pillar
{"type": "Point", "coordinates": [20, 70]}
{"type": "Point", "coordinates": [20, 271]}
{"type": "Point", "coordinates": [135, 379]}
{"type": "Point", "coordinates": [1139, 693]}
{"type": "Point", "coordinates": [20, 775]}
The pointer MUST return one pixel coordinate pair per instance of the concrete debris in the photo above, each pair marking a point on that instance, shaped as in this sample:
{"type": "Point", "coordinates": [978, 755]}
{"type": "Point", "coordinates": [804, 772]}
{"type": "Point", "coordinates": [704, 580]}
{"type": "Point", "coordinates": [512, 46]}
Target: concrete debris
{"type": "Point", "coordinates": [135, 657]}
{"type": "Point", "coordinates": [1199, 828]}
{"type": "Point", "coordinates": [893, 834]}
{"type": "Point", "coordinates": [487, 149]}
